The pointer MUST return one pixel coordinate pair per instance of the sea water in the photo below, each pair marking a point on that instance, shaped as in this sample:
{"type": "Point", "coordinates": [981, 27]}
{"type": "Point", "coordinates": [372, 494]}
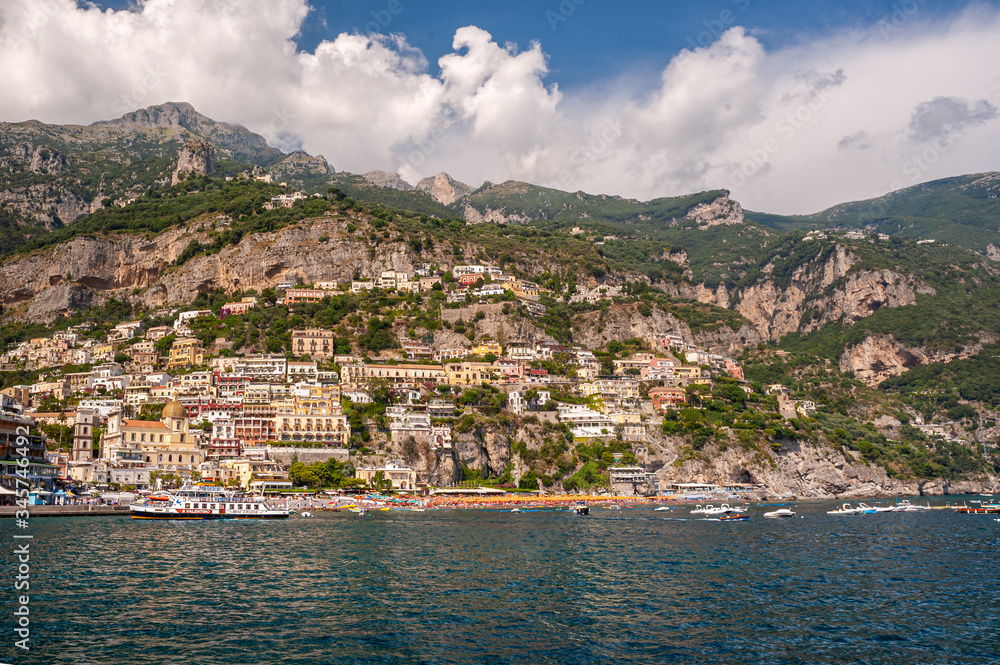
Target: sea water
{"type": "Point", "coordinates": [622, 586]}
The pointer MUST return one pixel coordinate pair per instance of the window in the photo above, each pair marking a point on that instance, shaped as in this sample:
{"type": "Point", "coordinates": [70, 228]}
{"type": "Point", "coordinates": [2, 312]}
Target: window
{"type": "Point", "coordinates": [160, 458]}
{"type": "Point", "coordinates": [170, 458]}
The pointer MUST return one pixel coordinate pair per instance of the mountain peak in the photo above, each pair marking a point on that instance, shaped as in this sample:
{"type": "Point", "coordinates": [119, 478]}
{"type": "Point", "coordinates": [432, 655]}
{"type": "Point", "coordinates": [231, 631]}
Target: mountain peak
{"type": "Point", "coordinates": [443, 188]}
{"type": "Point", "coordinates": [387, 179]}
{"type": "Point", "coordinates": [170, 114]}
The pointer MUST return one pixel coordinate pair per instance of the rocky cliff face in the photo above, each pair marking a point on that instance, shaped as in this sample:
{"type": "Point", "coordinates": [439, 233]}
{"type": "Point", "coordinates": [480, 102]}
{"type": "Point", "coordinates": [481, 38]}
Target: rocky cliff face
{"type": "Point", "coordinates": [493, 216]}
{"type": "Point", "coordinates": [722, 211]}
{"type": "Point", "coordinates": [443, 188]}
{"type": "Point", "coordinates": [386, 179]}
{"type": "Point", "coordinates": [879, 357]}
{"type": "Point", "coordinates": [808, 471]}
{"type": "Point", "coordinates": [824, 289]}
{"type": "Point", "coordinates": [621, 322]}
{"type": "Point", "coordinates": [197, 157]}
{"type": "Point", "coordinates": [299, 164]}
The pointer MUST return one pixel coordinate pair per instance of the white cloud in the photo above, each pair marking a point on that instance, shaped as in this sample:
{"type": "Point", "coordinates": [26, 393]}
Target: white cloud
{"type": "Point", "coordinates": [838, 119]}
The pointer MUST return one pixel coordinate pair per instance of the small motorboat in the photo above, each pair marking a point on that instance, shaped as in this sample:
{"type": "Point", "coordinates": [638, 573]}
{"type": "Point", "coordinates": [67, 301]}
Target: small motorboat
{"type": "Point", "coordinates": [515, 510]}
{"type": "Point", "coordinates": [307, 514]}
{"type": "Point", "coordinates": [781, 512]}
{"type": "Point", "coordinates": [702, 510]}
{"type": "Point", "coordinates": [978, 510]}
{"type": "Point", "coordinates": [741, 517]}
{"type": "Point", "coordinates": [581, 509]}
{"type": "Point", "coordinates": [905, 506]}
{"type": "Point", "coordinates": [664, 508]}
{"type": "Point", "coordinates": [725, 509]}
{"type": "Point", "coordinates": [845, 509]}
{"type": "Point", "coordinates": [865, 509]}
{"type": "Point", "coordinates": [614, 506]}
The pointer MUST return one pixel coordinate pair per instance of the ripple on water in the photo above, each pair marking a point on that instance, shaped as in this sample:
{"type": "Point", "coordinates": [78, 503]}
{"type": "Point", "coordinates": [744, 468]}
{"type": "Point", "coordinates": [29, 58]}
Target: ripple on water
{"type": "Point", "coordinates": [460, 587]}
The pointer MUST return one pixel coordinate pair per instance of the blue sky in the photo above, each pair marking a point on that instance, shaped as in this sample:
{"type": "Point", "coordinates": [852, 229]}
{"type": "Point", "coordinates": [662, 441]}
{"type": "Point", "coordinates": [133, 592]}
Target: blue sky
{"type": "Point", "coordinates": [793, 106]}
{"type": "Point", "coordinates": [590, 41]}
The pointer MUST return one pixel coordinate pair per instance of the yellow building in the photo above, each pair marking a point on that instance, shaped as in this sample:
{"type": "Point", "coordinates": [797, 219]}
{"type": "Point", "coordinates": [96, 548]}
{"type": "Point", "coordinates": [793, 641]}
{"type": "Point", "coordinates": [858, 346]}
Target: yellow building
{"type": "Point", "coordinates": [401, 477]}
{"type": "Point", "coordinates": [468, 373]}
{"type": "Point", "coordinates": [312, 418]}
{"type": "Point", "coordinates": [399, 376]}
{"type": "Point", "coordinates": [486, 348]}
{"type": "Point", "coordinates": [688, 372]}
{"type": "Point", "coordinates": [256, 473]}
{"type": "Point", "coordinates": [185, 352]}
{"type": "Point", "coordinates": [617, 390]}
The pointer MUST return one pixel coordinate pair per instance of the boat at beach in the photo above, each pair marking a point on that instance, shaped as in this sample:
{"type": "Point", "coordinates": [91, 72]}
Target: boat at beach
{"type": "Point", "coordinates": [781, 512]}
{"type": "Point", "coordinates": [724, 509]}
{"type": "Point", "coordinates": [664, 508]}
{"type": "Point", "coordinates": [702, 510]}
{"type": "Point", "coordinates": [983, 509]}
{"type": "Point", "coordinates": [905, 506]}
{"type": "Point", "coordinates": [740, 517]}
{"type": "Point", "coordinates": [845, 509]}
{"type": "Point", "coordinates": [204, 502]}
{"type": "Point", "coordinates": [581, 509]}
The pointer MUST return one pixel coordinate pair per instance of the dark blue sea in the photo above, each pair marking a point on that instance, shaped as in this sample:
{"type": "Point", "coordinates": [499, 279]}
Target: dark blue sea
{"type": "Point", "coordinates": [629, 586]}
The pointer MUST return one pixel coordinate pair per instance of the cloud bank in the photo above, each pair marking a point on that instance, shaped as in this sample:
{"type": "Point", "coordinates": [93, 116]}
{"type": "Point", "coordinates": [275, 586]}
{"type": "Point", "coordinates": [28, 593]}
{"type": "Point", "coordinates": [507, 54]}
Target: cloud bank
{"type": "Point", "coordinates": [848, 117]}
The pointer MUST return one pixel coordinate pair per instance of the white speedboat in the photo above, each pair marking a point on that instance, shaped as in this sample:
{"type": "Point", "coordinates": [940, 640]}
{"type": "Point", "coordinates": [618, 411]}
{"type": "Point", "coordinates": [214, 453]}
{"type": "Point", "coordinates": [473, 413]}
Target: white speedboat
{"type": "Point", "coordinates": [905, 506]}
{"type": "Point", "coordinates": [781, 512]}
{"type": "Point", "coordinates": [845, 509]}
{"type": "Point", "coordinates": [702, 510]}
{"type": "Point", "coordinates": [725, 509]}
{"type": "Point", "coordinates": [865, 509]}
{"type": "Point", "coordinates": [664, 508]}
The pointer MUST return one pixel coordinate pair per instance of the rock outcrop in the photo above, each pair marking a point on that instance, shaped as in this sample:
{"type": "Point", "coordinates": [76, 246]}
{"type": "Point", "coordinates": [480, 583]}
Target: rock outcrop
{"type": "Point", "coordinates": [723, 211]}
{"type": "Point", "coordinates": [493, 216]}
{"type": "Point", "coordinates": [622, 322]}
{"type": "Point", "coordinates": [822, 291]}
{"type": "Point", "coordinates": [443, 188]}
{"type": "Point", "coordinates": [197, 157]}
{"type": "Point", "coordinates": [805, 470]}
{"type": "Point", "coordinates": [386, 179]}
{"type": "Point", "coordinates": [879, 357]}
{"type": "Point", "coordinates": [299, 164]}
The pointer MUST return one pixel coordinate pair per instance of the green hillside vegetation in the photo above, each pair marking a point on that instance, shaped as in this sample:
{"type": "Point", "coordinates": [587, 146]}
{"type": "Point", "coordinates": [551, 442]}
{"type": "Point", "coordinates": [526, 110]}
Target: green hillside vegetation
{"type": "Point", "coordinates": [847, 406]}
{"type": "Point", "coordinates": [419, 202]}
{"type": "Point", "coordinates": [962, 211]}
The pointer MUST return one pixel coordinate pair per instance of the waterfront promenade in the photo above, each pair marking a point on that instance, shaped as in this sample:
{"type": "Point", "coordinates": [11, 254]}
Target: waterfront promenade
{"type": "Point", "coordinates": [65, 511]}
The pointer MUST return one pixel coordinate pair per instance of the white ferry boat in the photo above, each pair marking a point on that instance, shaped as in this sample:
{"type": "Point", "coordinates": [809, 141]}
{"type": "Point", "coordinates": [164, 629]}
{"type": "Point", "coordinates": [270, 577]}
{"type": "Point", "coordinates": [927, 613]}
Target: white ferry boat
{"type": "Point", "coordinates": [204, 502]}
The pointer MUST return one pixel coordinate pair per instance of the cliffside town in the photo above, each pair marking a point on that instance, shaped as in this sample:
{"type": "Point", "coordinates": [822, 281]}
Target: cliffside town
{"type": "Point", "coordinates": [211, 322]}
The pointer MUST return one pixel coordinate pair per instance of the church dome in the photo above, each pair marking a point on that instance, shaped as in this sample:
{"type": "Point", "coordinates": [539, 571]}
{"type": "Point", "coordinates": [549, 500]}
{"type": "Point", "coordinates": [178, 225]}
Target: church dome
{"type": "Point", "coordinates": [174, 409]}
